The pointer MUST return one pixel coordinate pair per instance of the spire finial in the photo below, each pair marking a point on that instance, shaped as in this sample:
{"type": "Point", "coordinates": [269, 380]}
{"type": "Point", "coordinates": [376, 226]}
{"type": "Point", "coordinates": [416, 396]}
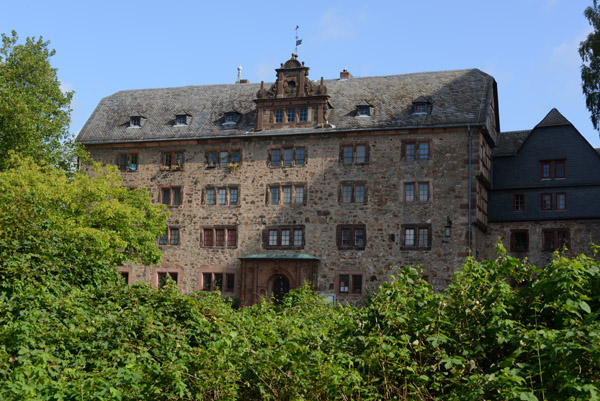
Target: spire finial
{"type": "Point", "coordinates": [239, 77]}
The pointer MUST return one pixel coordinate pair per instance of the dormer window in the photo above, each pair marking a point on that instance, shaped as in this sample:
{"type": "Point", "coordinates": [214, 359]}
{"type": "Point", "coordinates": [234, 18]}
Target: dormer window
{"type": "Point", "coordinates": [421, 106]}
{"type": "Point", "coordinates": [181, 119]}
{"type": "Point", "coordinates": [135, 121]}
{"type": "Point", "coordinates": [231, 117]}
{"type": "Point", "coordinates": [363, 111]}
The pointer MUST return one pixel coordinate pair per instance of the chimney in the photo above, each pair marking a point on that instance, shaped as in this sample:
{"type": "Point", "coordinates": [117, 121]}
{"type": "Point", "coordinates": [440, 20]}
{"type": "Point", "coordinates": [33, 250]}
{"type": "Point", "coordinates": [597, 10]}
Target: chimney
{"type": "Point", "coordinates": [345, 74]}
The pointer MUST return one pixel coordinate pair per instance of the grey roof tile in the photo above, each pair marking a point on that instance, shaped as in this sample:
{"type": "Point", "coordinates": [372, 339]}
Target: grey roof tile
{"type": "Point", "coordinates": [507, 143]}
{"type": "Point", "coordinates": [459, 97]}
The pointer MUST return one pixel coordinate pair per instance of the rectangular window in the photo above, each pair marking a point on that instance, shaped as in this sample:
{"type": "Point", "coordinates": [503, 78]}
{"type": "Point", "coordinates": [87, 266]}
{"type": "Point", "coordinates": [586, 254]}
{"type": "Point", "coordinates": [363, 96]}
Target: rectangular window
{"type": "Point", "coordinates": [290, 115]}
{"type": "Point", "coordinates": [207, 281]}
{"type": "Point", "coordinates": [211, 159]}
{"type": "Point", "coordinates": [352, 192]}
{"type": "Point", "coordinates": [219, 237]}
{"type": "Point", "coordinates": [546, 170]}
{"type": "Point", "coordinates": [519, 202]}
{"type": "Point", "coordinates": [410, 151]}
{"type": "Point", "coordinates": [283, 237]}
{"type": "Point", "coordinates": [162, 278]}
{"type": "Point", "coordinates": [423, 192]}
{"type": "Point", "coordinates": [347, 197]}
{"type": "Point", "coordinates": [344, 283]}
{"type": "Point", "coordinates": [229, 282]}
{"type": "Point", "coordinates": [299, 194]}
{"type": "Point", "coordinates": [299, 156]}
{"type": "Point", "coordinates": [222, 158]}
{"type": "Point", "coordinates": [416, 237]}
{"type": "Point", "coordinates": [424, 150]}
{"type": "Point", "coordinates": [235, 157]}
{"type": "Point", "coordinates": [287, 194]}
{"type": "Point", "coordinates": [181, 119]}
{"type": "Point", "coordinates": [552, 169]}
{"type": "Point", "coordinates": [354, 153]}
{"type": "Point", "coordinates": [298, 237]}
{"type": "Point", "coordinates": [172, 161]}
{"type": "Point", "coordinates": [416, 150]}
{"type": "Point", "coordinates": [546, 201]}
{"type": "Point", "coordinates": [222, 196]}
{"type": "Point", "coordinates": [165, 194]}
{"type": "Point", "coordinates": [559, 171]}
{"type": "Point", "coordinates": [127, 161]}
{"type": "Point", "coordinates": [409, 192]}
{"type": "Point", "coordinates": [561, 201]}
{"type": "Point", "coordinates": [347, 154]}
{"type": "Point", "coordinates": [233, 196]}
{"type": "Point", "coordinates": [170, 196]}
{"type": "Point", "coordinates": [170, 237]}
{"type": "Point", "coordinates": [275, 157]}
{"type": "Point", "coordinates": [287, 157]}
{"type": "Point", "coordinates": [360, 193]}
{"type": "Point", "coordinates": [135, 121]}
{"type": "Point", "coordinates": [210, 197]}
{"type": "Point", "coordinates": [351, 236]}
{"type": "Point", "coordinates": [303, 116]}
{"type": "Point", "coordinates": [349, 283]}
{"type": "Point", "coordinates": [278, 116]}
{"type": "Point", "coordinates": [361, 153]}
{"type": "Point", "coordinates": [274, 195]}
{"type": "Point", "coordinates": [519, 240]}
{"type": "Point", "coordinates": [553, 239]}
{"type": "Point", "coordinates": [356, 283]}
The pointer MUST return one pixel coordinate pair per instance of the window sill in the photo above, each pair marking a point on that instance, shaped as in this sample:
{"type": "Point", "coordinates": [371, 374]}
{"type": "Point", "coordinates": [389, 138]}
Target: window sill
{"type": "Point", "coordinates": [415, 248]}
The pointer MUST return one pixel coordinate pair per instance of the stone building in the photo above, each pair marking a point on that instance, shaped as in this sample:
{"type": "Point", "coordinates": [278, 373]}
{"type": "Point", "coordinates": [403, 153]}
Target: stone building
{"type": "Point", "coordinates": [327, 181]}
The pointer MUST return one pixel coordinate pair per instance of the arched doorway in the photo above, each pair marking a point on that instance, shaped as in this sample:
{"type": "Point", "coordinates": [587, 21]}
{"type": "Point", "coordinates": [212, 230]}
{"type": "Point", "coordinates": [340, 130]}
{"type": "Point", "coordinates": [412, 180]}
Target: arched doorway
{"type": "Point", "coordinates": [281, 286]}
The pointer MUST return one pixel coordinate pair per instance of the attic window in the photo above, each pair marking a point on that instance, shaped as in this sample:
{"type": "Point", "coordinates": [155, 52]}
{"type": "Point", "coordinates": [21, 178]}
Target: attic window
{"type": "Point", "coordinates": [363, 111]}
{"type": "Point", "coordinates": [421, 106]}
{"type": "Point", "coordinates": [135, 121]}
{"type": "Point", "coordinates": [181, 119]}
{"type": "Point", "coordinates": [231, 117]}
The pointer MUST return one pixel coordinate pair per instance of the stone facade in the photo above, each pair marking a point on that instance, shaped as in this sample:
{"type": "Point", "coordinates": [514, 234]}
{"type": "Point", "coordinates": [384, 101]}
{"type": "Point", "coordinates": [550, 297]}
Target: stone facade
{"type": "Point", "coordinates": [331, 181]}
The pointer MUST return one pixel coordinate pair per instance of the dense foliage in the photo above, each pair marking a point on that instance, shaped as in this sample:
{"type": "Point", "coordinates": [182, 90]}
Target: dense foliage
{"type": "Point", "coordinates": [589, 50]}
{"type": "Point", "coordinates": [71, 330]}
{"type": "Point", "coordinates": [34, 111]}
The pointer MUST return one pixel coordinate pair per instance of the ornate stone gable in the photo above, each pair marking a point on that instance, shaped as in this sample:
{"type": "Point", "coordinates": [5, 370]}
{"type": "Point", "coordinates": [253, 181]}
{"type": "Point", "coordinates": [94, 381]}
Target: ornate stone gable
{"type": "Point", "coordinates": [293, 101]}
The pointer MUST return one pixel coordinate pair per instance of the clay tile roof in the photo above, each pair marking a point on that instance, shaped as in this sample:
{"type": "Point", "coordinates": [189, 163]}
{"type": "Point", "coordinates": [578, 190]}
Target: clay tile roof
{"type": "Point", "coordinates": [461, 97]}
{"type": "Point", "coordinates": [507, 143]}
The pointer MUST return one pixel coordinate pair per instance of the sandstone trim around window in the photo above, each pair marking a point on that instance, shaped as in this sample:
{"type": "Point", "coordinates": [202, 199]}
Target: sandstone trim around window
{"type": "Point", "coordinates": [171, 196]}
{"type": "Point", "coordinates": [219, 237]}
{"type": "Point", "coordinates": [417, 191]}
{"type": "Point", "coordinates": [170, 237]}
{"type": "Point", "coordinates": [354, 153]}
{"type": "Point", "coordinates": [223, 158]}
{"type": "Point", "coordinates": [284, 237]}
{"type": "Point", "coordinates": [519, 240]}
{"type": "Point", "coordinates": [221, 196]}
{"type": "Point", "coordinates": [159, 276]}
{"type": "Point", "coordinates": [416, 149]}
{"type": "Point", "coordinates": [223, 280]}
{"type": "Point", "coordinates": [128, 161]}
{"type": "Point", "coordinates": [351, 236]}
{"type": "Point", "coordinates": [416, 236]}
{"type": "Point", "coordinates": [286, 194]}
{"type": "Point", "coordinates": [348, 283]}
{"type": "Point", "coordinates": [287, 156]}
{"type": "Point", "coordinates": [172, 161]}
{"type": "Point", "coordinates": [352, 192]}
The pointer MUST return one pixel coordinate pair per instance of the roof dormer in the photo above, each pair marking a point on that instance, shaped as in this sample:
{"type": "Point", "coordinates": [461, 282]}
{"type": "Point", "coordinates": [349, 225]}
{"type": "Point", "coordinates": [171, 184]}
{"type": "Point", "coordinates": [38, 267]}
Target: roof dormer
{"type": "Point", "coordinates": [421, 106]}
{"type": "Point", "coordinates": [182, 119]}
{"type": "Point", "coordinates": [231, 117]}
{"type": "Point", "coordinates": [363, 109]}
{"type": "Point", "coordinates": [136, 120]}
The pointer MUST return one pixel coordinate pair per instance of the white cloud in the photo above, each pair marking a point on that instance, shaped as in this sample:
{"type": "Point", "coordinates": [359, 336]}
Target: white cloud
{"type": "Point", "coordinates": [334, 24]}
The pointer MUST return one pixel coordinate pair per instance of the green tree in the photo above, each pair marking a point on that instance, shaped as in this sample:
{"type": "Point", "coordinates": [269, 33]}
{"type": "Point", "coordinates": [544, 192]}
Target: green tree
{"type": "Point", "coordinates": [34, 111]}
{"type": "Point", "coordinates": [58, 230]}
{"type": "Point", "coordinates": [589, 50]}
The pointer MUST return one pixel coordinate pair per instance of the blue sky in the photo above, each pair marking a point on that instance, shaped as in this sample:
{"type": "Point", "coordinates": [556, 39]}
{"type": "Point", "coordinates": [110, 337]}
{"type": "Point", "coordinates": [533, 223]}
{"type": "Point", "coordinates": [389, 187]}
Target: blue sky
{"type": "Point", "coordinates": [529, 46]}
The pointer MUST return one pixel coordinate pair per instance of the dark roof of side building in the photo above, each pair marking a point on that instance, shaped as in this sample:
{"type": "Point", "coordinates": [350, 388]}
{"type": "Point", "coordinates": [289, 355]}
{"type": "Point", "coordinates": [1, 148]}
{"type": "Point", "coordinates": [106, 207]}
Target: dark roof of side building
{"type": "Point", "coordinates": [457, 97]}
{"type": "Point", "coordinates": [507, 143]}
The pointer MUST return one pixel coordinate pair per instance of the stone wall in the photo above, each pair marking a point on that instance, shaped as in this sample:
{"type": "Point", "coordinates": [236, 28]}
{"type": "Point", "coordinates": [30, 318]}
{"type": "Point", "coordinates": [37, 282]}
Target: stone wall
{"type": "Point", "coordinates": [384, 215]}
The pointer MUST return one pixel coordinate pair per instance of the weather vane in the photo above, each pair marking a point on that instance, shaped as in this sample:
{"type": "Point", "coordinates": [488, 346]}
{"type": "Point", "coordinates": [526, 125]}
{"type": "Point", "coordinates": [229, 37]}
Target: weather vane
{"type": "Point", "coordinates": [298, 41]}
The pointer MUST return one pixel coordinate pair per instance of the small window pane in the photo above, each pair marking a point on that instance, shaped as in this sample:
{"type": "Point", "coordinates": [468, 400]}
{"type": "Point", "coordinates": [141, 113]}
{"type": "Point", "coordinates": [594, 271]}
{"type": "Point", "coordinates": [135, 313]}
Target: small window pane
{"type": "Point", "coordinates": [276, 157]}
{"type": "Point", "coordinates": [303, 114]}
{"type": "Point", "coordinates": [207, 281]}
{"type": "Point", "coordinates": [546, 202]}
{"type": "Point", "coordinates": [347, 154]}
{"type": "Point", "coordinates": [423, 192]}
{"type": "Point", "coordinates": [273, 237]}
{"type": "Point", "coordinates": [561, 201]}
{"type": "Point", "coordinates": [275, 196]}
{"type": "Point", "coordinates": [344, 283]}
{"type": "Point", "coordinates": [410, 192]}
{"type": "Point", "coordinates": [359, 237]}
{"type": "Point", "coordinates": [287, 194]}
{"type": "Point", "coordinates": [222, 196]}
{"type": "Point", "coordinates": [122, 162]}
{"type": "Point", "coordinates": [212, 159]}
{"type": "Point", "coordinates": [424, 151]}
{"type": "Point", "coordinates": [345, 236]}
{"type": "Point", "coordinates": [208, 237]}
{"type": "Point", "coordinates": [176, 196]}
{"type": "Point", "coordinates": [299, 194]}
{"type": "Point", "coordinates": [361, 154]}
{"type": "Point", "coordinates": [287, 157]}
{"type": "Point", "coordinates": [278, 116]}
{"type": "Point", "coordinates": [300, 156]}
{"type": "Point", "coordinates": [210, 196]}
{"type": "Point", "coordinates": [297, 237]}
{"type": "Point", "coordinates": [223, 156]}
{"type": "Point", "coordinates": [347, 193]}
{"type": "Point", "coordinates": [360, 193]}
{"type": "Point", "coordinates": [285, 237]}
{"type": "Point", "coordinates": [290, 115]}
{"type": "Point", "coordinates": [410, 151]}
{"type": "Point", "coordinates": [178, 160]}
{"type": "Point", "coordinates": [423, 237]}
{"type": "Point", "coordinates": [166, 196]}
{"type": "Point", "coordinates": [233, 196]}
{"type": "Point", "coordinates": [356, 283]}
{"type": "Point", "coordinates": [174, 236]}
{"type": "Point", "coordinates": [235, 157]}
{"type": "Point", "coordinates": [168, 160]}
{"type": "Point", "coordinates": [162, 240]}
{"type": "Point", "coordinates": [409, 237]}
{"type": "Point", "coordinates": [219, 237]}
{"type": "Point", "coordinates": [133, 162]}
{"type": "Point", "coordinates": [560, 169]}
{"type": "Point", "coordinates": [232, 237]}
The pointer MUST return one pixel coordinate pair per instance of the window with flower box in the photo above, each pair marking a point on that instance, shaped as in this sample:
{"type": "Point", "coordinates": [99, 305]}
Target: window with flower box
{"type": "Point", "coordinates": [223, 158]}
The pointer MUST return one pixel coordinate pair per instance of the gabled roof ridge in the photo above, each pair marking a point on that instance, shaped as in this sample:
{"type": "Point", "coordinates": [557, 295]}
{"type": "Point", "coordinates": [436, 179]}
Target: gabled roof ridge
{"type": "Point", "coordinates": [553, 118]}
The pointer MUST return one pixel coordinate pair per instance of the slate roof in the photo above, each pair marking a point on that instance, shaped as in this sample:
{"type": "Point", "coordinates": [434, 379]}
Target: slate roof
{"type": "Point", "coordinates": [553, 119]}
{"type": "Point", "coordinates": [458, 97]}
{"type": "Point", "coordinates": [507, 143]}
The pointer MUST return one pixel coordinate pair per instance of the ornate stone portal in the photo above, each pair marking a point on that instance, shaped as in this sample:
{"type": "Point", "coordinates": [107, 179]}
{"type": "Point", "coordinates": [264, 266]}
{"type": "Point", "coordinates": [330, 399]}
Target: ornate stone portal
{"type": "Point", "coordinates": [267, 275]}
